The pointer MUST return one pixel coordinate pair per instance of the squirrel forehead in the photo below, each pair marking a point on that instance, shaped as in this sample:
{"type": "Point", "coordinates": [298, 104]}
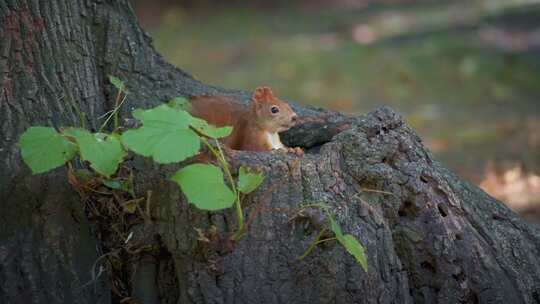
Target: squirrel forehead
{"type": "Point", "coordinates": [265, 95]}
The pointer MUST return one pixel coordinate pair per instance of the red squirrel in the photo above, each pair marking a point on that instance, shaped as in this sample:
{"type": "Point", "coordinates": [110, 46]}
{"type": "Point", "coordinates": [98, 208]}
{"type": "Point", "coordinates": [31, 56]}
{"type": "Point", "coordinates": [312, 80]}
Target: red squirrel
{"type": "Point", "coordinates": [255, 126]}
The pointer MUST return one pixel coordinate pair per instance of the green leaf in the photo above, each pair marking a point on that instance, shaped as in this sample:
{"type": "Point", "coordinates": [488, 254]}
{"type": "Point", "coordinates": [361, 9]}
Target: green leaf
{"type": "Point", "coordinates": [122, 185]}
{"type": "Point", "coordinates": [350, 243]}
{"type": "Point", "coordinates": [43, 149]}
{"type": "Point", "coordinates": [83, 175]}
{"type": "Point", "coordinates": [204, 187]}
{"type": "Point", "coordinates": [334, 226]}
{"type": "Point", "coordinates": [113, 184]}
{"type": "Point", "coordinates": [179, 103]}
{"type": "Point", "coordinates": [104, 152]}
{"type": "Point", "coordinates": [355, 249]}
{"type": "Point", "coordinates": [165, 135]}
{"type": "Point", "coordinates": [248, 181]}
{"type": "Point", "coordinates": [115, 81]}
{"type": "Point", "coordinates": [209, 130]}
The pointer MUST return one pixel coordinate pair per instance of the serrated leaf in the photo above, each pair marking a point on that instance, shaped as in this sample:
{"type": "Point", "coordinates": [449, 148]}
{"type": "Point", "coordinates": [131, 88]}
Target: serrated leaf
{"type": "Point", "coordinates": [248, 181]}
{"type": "Point", "coordinates": [104, 152]}
{"type": "Point", "coordinates": [209, 130]}
{"type": "Point", "coordinates": [204, 187]}
{"type": "Point", "coordinates": [165, 135]}
{"type": "Point", "coordinates": [115, 81]}
{"type": "Point", "coordinates": [43, 149]}
{"type": "Point", "coordinates": [355, 249]}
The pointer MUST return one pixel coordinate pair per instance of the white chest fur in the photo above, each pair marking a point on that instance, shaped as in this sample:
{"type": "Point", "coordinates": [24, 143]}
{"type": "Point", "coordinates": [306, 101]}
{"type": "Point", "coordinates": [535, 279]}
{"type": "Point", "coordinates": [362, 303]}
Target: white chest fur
{"type": "Point", "coordinates": [275, 142]}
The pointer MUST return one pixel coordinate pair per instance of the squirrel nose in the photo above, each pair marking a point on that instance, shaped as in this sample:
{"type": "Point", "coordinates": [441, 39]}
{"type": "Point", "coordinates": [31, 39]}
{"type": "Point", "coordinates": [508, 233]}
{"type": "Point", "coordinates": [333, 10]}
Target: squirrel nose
{"type": "Point", "coordinates": [294, 118]}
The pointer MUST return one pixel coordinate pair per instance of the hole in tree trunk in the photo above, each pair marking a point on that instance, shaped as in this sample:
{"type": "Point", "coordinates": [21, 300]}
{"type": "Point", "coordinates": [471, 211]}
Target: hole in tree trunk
{"type": "Point", "coordinates": [442, 210]}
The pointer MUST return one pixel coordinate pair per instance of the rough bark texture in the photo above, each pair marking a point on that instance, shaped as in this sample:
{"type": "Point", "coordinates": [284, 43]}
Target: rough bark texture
{"type": "Point", "coordinates": [429, 237]}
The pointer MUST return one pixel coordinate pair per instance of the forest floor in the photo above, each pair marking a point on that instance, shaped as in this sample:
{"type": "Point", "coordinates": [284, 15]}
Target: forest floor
{"type": "Point", "coordinates": [465, 74]}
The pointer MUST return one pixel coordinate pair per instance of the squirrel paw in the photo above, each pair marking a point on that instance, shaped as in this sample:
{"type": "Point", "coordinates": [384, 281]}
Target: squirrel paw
{"type": "Point", "coordinates": [296, 150]}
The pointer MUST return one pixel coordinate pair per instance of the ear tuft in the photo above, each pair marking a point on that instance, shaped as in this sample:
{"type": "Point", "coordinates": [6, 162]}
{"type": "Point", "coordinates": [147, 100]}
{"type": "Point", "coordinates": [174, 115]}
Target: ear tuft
{"type": "Point", "coordinates": [263, 94]}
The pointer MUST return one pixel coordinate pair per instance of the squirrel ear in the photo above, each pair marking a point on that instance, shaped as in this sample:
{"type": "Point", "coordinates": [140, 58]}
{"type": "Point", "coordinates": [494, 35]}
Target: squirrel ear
{"type": "Point", "coordinates": [262, 94]}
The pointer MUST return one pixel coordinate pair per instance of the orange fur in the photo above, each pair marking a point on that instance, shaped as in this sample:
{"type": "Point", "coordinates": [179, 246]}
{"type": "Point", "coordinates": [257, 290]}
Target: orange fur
{"type": "Point", "coordinates": [251, 124]}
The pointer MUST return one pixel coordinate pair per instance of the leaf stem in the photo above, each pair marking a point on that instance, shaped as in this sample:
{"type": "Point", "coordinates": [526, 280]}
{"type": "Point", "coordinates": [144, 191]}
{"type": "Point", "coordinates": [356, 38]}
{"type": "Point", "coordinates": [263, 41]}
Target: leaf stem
{"type": "Point", "coordinates": [238, 204]}
{"type": "Point", "coordinates": [114, 113]}
{"type": "Point", "coordinates": [116, 107]}
{"type": "Point", "coordinates": [325, 240]}
{"type": "Point", "coordinates": [225, 166]}
{"type": "Point", "coordinates": [82, 116]}
{"type": "Point", "coordinates": [314, 244]}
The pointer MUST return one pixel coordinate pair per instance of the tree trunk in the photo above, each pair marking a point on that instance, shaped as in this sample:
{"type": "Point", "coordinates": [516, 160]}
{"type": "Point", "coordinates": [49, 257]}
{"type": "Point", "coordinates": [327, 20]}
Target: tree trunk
{"type": "Point", "coordinates": [429, 237]}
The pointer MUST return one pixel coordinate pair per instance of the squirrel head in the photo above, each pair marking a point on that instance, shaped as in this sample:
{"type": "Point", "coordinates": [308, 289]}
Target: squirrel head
{"type": "Point", "coordinates": [272, 114]}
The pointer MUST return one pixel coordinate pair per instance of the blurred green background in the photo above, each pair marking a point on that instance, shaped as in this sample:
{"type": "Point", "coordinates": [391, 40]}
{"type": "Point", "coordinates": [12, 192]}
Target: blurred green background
{"type": "Point", "coordinates": [465, 74]}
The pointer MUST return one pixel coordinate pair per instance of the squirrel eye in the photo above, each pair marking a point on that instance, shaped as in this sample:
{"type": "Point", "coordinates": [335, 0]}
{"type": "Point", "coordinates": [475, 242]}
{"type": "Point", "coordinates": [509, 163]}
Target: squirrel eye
{"type": "Point", "coordinates": [274, 109]}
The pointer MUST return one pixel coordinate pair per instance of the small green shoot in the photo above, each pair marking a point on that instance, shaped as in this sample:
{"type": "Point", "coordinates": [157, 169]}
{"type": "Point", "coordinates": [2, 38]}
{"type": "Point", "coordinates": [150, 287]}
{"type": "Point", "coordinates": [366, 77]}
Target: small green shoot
{"type": "Point", "coordinates": [348, 241]}
{"type": "Point", "coordinates": [117, 83]}
{"type": "Point", "coordinates": [121, 97]}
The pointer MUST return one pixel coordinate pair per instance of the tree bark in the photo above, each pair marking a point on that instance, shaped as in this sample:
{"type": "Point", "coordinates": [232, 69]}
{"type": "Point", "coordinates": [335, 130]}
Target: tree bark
{"type": "Point", "coordinates": [429, 236]}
